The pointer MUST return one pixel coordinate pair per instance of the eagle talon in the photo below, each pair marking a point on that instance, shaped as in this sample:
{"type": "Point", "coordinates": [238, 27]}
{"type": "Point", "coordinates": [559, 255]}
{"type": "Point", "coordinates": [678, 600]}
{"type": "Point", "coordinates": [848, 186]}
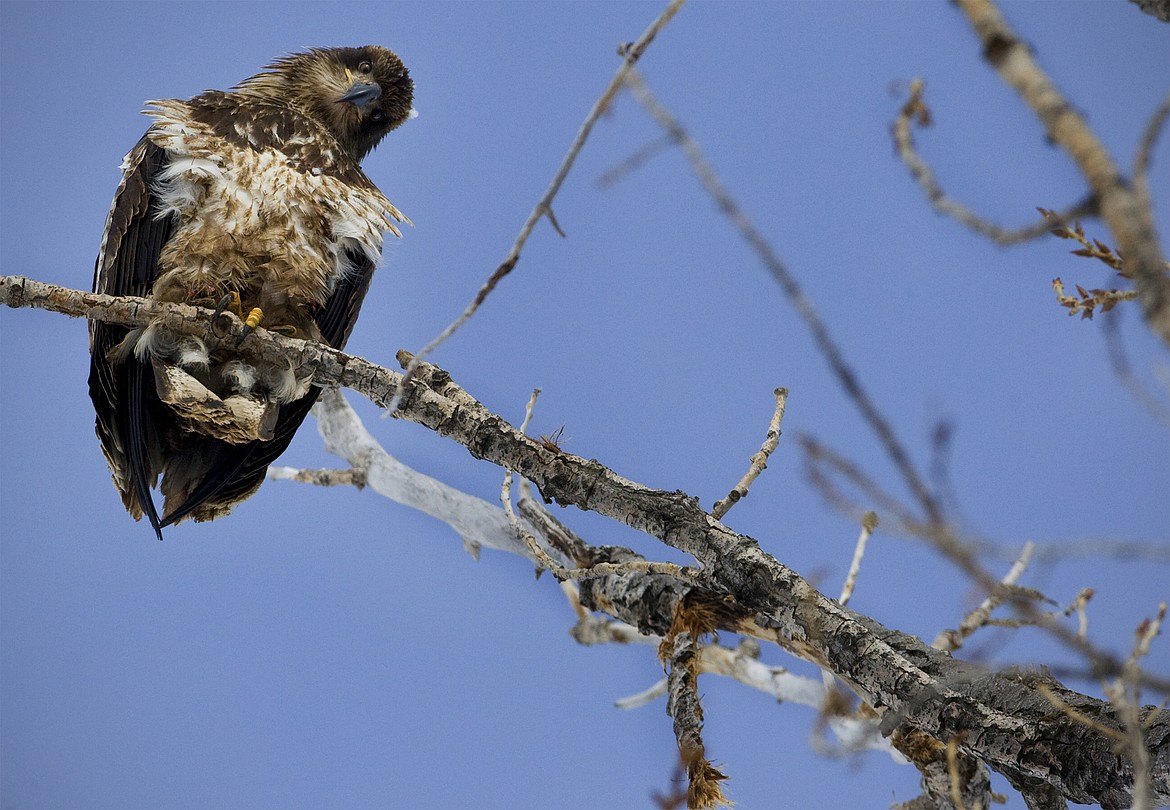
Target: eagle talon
{"type": "Point", "coordinates": [229, 303]}
{"type": "Point", "coordinates": [255, 317]}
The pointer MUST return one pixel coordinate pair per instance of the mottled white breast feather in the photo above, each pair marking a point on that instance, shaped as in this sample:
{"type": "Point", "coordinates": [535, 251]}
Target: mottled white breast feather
{"type": "Point", "coordinates": [253, 210]}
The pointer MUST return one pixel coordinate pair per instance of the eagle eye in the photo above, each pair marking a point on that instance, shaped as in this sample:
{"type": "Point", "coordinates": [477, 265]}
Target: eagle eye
{"type": "Point", "coordinates": [377, 116]}
{"type": "Point", "coordinates": [365, 67]}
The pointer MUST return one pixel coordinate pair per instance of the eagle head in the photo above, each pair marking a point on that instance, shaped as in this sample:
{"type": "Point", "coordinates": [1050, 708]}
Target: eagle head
{"type": "Point", "coordinates": [359, 94]}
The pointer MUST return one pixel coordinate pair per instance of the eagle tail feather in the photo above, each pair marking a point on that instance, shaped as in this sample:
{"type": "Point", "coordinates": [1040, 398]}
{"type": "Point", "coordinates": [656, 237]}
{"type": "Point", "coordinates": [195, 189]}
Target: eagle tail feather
{"type": "Point", "coordinates": [141, 386]}
{"type": "Point", "coordinates": [212, 479]}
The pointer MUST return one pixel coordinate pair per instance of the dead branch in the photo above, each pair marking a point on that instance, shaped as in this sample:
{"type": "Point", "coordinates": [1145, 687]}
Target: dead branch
{"type": "Point", "coordinates": [951, 640]}
{"type": "Point", "coordinates": [869, 522]}
{"type": "Point", "coordinates": [630, 54]}
{"type": "Point", "coordinates": [828, 347]}
{"type": "Point", "coordinates": [681, 652]}
{"type": "Point", "coordinates": [353, 477]}
{"type": "Point", "coordinates": [743, 589]}
{"type": "Point", "coordinates": [759, 461]}
{"type": "Point", "coordinates": [915, 111]}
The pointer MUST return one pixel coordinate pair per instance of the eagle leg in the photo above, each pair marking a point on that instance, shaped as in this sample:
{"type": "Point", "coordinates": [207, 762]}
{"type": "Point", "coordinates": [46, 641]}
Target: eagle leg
{"type": "Point", "coordinates": [232, 303]}
{"type": "Point", "coordinates": [254, 319]}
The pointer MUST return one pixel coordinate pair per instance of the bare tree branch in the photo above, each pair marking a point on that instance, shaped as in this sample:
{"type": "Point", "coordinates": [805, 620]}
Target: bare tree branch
{"type": "Point", "coordinates": [1120, 204]}
{"type": "Point", "coordinates": [1141, 161]}
{"type": "Point", "coordinates": [951, 640]}
{"type": "Point", "coordinates": [742, 589]}
{"type": "Point", "coordinates": [683, 705]}
{"type": "Point", "coordinates": [828, 347]}
{"type": "Point", "coordinates": [759, 461]}
{"type": "Point", "coordinates": [353, 477]}
{"type": "Point", "coordinates": [630, 54]}
{"type": "Point", "coordinates": [916, 111]}
{"type": "Point", "coordinates": [869, 522]}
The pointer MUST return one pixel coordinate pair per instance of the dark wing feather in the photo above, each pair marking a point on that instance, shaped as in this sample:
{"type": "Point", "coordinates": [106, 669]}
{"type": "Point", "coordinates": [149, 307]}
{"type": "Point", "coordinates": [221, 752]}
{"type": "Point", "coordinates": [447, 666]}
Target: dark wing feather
{"type": "Point", "coordinates": [123, 394]}
{"type": "Point", "coordinates": [240, 468]}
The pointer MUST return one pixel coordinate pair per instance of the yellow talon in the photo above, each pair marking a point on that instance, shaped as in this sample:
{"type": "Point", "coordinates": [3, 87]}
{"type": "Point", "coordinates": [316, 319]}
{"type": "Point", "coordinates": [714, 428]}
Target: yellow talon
{"type": "Point", "coordinates": [254, 317]}
{"type": "Point", "coordinates": [250, 323]}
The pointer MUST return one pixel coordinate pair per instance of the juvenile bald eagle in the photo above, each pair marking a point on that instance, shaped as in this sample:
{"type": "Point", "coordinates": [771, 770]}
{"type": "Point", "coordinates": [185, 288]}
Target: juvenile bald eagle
{"type": "Point", "coordinates": [252, 200]}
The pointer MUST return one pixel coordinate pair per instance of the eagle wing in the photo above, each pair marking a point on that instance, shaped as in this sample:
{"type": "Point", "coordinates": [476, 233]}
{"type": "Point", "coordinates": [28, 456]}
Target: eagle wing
{"type": "Point", "coordinates": [123, 392]}
{"type": "Point", "coordinates": [131, 420]}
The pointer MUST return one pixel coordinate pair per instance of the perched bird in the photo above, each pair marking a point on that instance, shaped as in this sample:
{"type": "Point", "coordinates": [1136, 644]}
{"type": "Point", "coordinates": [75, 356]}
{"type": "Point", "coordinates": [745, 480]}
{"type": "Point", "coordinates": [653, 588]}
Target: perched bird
{"type": "Point", "coordinates": [251, 200]}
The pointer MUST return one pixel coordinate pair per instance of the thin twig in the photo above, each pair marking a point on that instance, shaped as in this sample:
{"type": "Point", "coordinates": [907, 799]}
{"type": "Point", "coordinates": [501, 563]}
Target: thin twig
{"type": "Point", "coordinates": [869, 522]}
{"type": "Point", "coordinates": [1152, 551]}
{"type": "Point", "coordinates": [559, 571]}
{"type": "Point", "coordinates": [529, 540]}
{"type": "Point", "coordinates": [640, 699]}
{"type": "Point", "coordinates": [635, 161]}
{"type": "Point", "coordinates": [1078, 606]}
{"type": "Point", "coordinates": [1141, 161]}
{"type": "Point", "coordinates": [630, 55]}
{"type": "Point", "coordinates": [819, 460]}
{"type": "Point", "coordinates": [804, 307]}
{"type": "Point", "coordinates": [1090, 300]}
{"type": "Point", "coordinates": [759, 461]}
{"type": "Point", "coordinates": [1082, 718]}
{"type": "Point", "coordinates": [1126, 693]}
{"type": "Point", "coordinates": [915, 110]}
{"type": "Point", "coordinates": [351, 477]}
{"type": "Point", "coordinates": [506, 499]}
{"type": "Point", "coordinates": [528, 409]}
{"type": "Point", "coordinates": [951, 640]}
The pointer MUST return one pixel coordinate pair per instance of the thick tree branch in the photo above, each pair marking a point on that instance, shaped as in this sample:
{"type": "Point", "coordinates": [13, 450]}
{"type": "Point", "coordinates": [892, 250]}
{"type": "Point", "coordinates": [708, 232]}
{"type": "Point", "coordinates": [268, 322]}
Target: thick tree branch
{"type": "Point", "coordinates": [999, 718]}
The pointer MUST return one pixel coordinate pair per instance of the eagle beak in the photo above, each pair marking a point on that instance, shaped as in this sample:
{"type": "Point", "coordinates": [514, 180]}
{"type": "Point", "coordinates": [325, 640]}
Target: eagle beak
{"type": "Point", "coordinates": [361, 93]}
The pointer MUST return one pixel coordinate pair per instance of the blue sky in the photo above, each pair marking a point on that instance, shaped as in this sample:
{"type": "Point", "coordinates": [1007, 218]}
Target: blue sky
{"type": "Point", "coordinates": [327, 648]}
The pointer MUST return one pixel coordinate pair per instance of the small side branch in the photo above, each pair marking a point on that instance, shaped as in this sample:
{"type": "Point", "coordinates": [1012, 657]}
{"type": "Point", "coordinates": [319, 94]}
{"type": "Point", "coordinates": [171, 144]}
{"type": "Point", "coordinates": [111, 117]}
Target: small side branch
{"type": "Point", "coordinates": [704, 790]}
{"type": "Point", "coordinates": [1125, 693]}
{"type": "Point", "coordinates": [915, 111]}
{"type": "Point", "coordinates": [759, 461]}
{"type": "Point", "coordinates": [1141, 161]}
{"type": "Point", "coordinates": [951, 640]}
{"type": "Point", "coordinates": [828, 347]}
{"type": "Point", "coordinates": [1090, 300]}
{"type": "Point", "coordinates": [630, 54]}
{"type": "Point", "coordinates": [1123, 207]}
{"type": "Point", "coordinates": [322, 478]}
{"type": "Point", "coordinates": [869, 522]}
